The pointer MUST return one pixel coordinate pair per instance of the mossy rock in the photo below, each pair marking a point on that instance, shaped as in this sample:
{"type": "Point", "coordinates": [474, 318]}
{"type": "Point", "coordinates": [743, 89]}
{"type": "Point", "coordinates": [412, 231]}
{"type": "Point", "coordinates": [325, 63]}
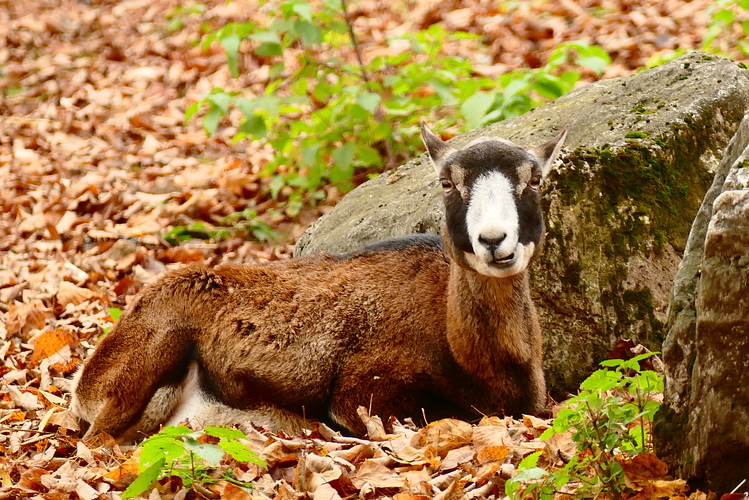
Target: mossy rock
{"type": "Point", "coordinates": [638, 159]}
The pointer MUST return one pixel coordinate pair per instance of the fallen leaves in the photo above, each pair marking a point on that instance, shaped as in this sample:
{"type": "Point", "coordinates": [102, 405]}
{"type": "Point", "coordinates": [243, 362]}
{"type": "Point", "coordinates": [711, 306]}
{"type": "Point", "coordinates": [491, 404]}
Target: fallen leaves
{"type": "Point", "coordinates": [25, 317]}
{"type": "Point", "coordinates": [96, 166]}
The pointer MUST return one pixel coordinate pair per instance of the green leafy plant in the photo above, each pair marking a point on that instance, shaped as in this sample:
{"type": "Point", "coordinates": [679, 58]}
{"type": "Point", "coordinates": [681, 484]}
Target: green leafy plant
{"type": "Point", "coordinates": [727, 32]}
{"type": "Point", "coordinates": [195, 231]}
{"type": "Point", "coordinates": [609, 419]}
{"type": "Point", "coordinates": [179, 451]}
{"type": "Point", "coordinates": [333, 121]}
{"type": "Point", "coordinates": [177, 15]}
{"type": "Point", "coordinates": [244, 223]}
{"type": "Point", "coordinates": [725, 15]}
{"type": "Point", "coordinates": [115, 314]}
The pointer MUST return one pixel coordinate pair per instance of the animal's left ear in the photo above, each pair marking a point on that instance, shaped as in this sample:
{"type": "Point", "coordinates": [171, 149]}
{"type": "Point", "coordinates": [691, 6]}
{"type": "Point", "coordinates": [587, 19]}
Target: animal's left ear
{"type": "Point", "coordinates": [547, 152]}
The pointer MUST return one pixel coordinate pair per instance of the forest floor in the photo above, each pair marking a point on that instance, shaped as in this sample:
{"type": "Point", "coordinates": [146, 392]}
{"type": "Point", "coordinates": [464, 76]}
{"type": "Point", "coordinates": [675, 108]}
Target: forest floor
{"type": "Point", "coordinates": [97, 164]}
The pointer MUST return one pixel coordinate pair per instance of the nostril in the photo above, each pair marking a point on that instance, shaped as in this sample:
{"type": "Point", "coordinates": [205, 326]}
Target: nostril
{"type": "Point", "coordinates": [492, 242]}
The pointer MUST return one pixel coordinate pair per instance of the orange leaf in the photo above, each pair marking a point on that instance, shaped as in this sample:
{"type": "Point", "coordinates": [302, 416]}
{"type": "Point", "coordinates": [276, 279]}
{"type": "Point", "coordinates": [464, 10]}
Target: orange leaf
{"type": "Point", "coordinates": [22, 318]}
{"type": "Point", "coordinates": [232, 492]}
{"type": "Point", "coordinates": [643, 467]}
{"type": "Point", "coordinates": [443, 435]}
{"type": "Point", "coordinates": [50, 342]}
{"type": "Point", "coordinates": [492, 454]}
{"type": "Point", "coordinates": [68, 293]}
{"type": "Point", "coordinates": [130, 466]}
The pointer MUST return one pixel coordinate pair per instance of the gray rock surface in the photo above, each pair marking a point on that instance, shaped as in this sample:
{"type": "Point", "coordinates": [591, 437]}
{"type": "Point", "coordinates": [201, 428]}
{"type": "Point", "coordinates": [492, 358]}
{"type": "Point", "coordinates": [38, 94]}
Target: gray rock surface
{"type": "Point", "coordinates": [639, 156]}
{"type": "Point", "coordinates": [702, 429]}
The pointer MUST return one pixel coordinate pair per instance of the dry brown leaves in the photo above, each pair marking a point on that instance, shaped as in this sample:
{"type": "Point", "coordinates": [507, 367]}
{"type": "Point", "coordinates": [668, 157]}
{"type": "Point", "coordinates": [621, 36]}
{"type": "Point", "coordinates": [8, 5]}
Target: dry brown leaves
{"type": "Point", "coordinates": [96, 164]}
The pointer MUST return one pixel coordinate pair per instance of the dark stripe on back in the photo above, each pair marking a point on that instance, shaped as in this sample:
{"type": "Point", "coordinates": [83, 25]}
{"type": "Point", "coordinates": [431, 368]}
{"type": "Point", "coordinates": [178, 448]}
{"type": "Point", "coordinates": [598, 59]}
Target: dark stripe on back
{"type": "Point", "coordinates": [398, 244]}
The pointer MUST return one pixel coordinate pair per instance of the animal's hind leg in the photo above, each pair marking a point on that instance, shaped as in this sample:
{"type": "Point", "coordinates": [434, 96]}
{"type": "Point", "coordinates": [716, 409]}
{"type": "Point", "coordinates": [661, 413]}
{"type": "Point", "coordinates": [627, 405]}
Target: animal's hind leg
{"type": "Point", "coordinates": [132, 380]}
{"type": "Point", "coordinates": [158, 409]}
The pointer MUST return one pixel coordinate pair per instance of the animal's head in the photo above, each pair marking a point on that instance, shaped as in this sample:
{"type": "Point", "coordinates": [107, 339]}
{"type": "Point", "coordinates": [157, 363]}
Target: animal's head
{"type": "Point", "coordinates": [491, 192]}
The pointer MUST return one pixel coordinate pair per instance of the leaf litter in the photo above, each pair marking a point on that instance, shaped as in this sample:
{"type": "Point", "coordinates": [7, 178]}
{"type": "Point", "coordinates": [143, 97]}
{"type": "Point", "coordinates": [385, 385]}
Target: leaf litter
{"type": "Point", "coordinates": [96, 165]}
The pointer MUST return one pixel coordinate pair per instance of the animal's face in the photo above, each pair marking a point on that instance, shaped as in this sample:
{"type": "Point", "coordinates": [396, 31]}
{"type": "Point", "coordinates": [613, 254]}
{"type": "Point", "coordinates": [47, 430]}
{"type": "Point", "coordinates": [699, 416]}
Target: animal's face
{"type": "Point", "coordinates": [491, 194]}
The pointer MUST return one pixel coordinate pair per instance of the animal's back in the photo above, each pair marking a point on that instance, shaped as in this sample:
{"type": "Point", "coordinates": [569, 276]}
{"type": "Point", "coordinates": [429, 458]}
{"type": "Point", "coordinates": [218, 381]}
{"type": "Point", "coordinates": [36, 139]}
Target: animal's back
{"type": "Point", "coordinates": [283, 337]}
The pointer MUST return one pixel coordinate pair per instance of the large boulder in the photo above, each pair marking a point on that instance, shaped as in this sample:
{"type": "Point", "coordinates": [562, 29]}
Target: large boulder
{"type": "Point", "coordinates": [640, 153]}
{"type": "Point", "coordinates": [702, 427]}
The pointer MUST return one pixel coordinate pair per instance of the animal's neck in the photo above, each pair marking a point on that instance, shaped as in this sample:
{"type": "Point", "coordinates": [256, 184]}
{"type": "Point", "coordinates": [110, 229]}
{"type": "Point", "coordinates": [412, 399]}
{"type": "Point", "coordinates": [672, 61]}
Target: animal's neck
{"type": "Point", "coordinates": [490, 321]}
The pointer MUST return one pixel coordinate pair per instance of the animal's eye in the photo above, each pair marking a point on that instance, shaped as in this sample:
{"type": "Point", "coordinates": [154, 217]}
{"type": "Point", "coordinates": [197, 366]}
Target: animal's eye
{"type": "Point", "coordinates": [447, 184]}
{"type": "Point", "coordinates": [535, 181]}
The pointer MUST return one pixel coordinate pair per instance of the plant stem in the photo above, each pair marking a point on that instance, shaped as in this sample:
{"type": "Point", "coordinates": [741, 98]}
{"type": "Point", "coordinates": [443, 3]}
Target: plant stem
{"type": "Point", "coordinates": [350, 24]}
{"type": "Point", "coordinates": [601, 462]}
{"type": "Point", "coordinates": [365, 77]}
{"type": "Point", "coordinates": [640, 407]}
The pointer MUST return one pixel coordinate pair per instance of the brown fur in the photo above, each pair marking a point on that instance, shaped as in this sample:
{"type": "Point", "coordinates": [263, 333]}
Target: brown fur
{"type": "Point", "coordinates": [406, 332]}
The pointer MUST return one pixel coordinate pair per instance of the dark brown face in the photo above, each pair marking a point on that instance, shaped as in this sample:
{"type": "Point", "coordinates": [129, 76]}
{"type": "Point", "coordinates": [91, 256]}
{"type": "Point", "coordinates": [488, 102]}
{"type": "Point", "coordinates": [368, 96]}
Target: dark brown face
{"type": "Point", "coordinates": [492, 209]}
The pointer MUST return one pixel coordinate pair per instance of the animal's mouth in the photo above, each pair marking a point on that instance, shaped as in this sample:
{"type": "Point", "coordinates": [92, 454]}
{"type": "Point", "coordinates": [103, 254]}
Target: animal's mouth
{"type": "Point", "coordinates": [505, 260]}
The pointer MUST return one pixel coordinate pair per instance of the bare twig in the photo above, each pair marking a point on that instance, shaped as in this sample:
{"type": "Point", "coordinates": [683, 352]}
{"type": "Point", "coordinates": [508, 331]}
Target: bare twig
{"type": "Point", "coordinates": [15, 429]}
{"type": "Point", "coordinates": [37, 439]}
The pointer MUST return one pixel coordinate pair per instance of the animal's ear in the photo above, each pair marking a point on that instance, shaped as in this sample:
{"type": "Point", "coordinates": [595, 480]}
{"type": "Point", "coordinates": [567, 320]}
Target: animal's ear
{"type": "Point", "coordinates": [436, 147]}
{"type": "Point", "coordinates": [547, 152]}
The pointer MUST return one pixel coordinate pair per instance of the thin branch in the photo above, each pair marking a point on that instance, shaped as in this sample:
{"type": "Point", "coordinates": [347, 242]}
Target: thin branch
{"type": "Point", "coordinates": [15, 429]}
{"type": "Point", "coordinates": [350, 24]}
{"type": "Point", "coordinates": [378, 112]}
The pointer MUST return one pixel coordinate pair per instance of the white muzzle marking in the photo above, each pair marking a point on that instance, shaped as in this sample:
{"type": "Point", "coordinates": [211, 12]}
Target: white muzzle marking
{"type": "Point", "coordinates": [493, 227]}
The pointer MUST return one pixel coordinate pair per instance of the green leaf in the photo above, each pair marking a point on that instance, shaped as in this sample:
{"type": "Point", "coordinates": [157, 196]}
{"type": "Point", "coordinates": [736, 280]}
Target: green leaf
{"type": "Point", "coordinates": [208, 40]}
{"type": "Point", "coordinates": [611, 362]}
{"type": "Point", "coordinates": [601, 380]}
{"type": "Point", "coordinates": [303, 10]}
{"type": "Point", "coordinates": [208, 452]}
{"type": "Point", "coordinates": [270, 104]}
{"type": "Point", "coordinates": [144, 480]}
{"type": "Point", "coordinates": [368, 155]}
{"type": "Point", "coordinates": [308, 32]}
{"type": "Point", "coordinates": [266, 37]}
{"type": "Point", "coordinates": [443, 90]}
{"type": "Point", "coordinates": [475, 107]}
{"type": "Point", "coordinates": [368, 101]}
{"type": "Point", "coordinates": [548, 87]}
{"type": "Point", "coordinates": [115, 313]}
{"type": "Point", "coordinates": [211, 119]}
{"type": "Point", "coordinates": [174, 430]}
{"type": "Point", "coordinates": [269, 49]}
{"type": "Point", "coordinates": [240, 452]}
{"type": "Point", "coordinates": [595, 63]}
{"type": "Point", "coordinates": [231, 46]}
{"type": "Point", "coordinates": [191, 110]}
{"type": "Point", "coordinates": [518, 85]}
{"type": "Point", "coordinates": [532, 472]}
{"type": "Point", "coordinates": [723, 16]}
{"type": "Point", "coordinates": [344, 155]}
{"type": "Point", "coordinates": [226, 432]}
{"type": "Point", "coordinates": [547, 434]}
{"type": "Point", "coordinates": [160, 446]}
{"type": "Point", "coordinates": [275, 185]}
{"type": "Point", "coordinates": [254, 125]}
{"type": "Point", "coordinates": [529, 461]}
{"type": "Point", "coordinates": [221, 99]}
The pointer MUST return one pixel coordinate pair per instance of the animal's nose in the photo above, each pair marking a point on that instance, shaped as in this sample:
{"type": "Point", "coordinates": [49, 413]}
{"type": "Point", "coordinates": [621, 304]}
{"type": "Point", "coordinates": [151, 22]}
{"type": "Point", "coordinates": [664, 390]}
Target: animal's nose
{"type": "Point", "coordinates": [492, 243]}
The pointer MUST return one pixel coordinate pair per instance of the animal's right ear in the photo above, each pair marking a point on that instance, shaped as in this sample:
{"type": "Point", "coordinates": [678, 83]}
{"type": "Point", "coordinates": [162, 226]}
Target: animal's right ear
{"type": "Point", "coordinates": [436, 147]}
